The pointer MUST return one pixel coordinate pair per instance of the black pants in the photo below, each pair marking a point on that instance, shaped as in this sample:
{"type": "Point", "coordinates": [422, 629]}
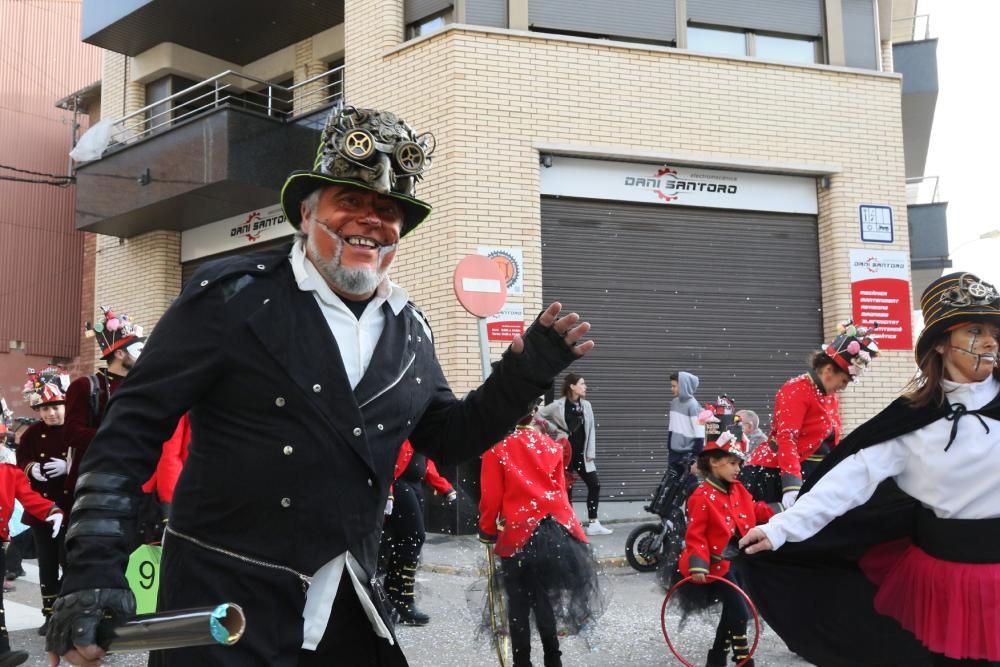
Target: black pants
{"type": "Point", "coordinates": [524, 593]}
{"type": "Point", "coordinates": [4, 637]}
{"type": "Point", "coordinates": [732, 629]}
{"type": "Point", "coordinates": [22, 546]}
{"type": "Point", "coordinates": [51, 556]}
{"type": "Point", "coordinates": [402, 540]}
{"type": "Point", "coordinates": [593, 483]}
{"type": "Point", "coordinates": [350, 638]}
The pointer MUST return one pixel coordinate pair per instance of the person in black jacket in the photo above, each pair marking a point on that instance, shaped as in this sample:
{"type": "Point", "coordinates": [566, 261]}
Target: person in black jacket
{"type": "Point", "coordinates": [303, 370]}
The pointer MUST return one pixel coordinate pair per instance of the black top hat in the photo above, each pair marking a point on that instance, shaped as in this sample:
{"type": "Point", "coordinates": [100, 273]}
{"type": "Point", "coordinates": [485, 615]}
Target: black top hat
{"type": "Point", "coordinates": [953, 299]}
{"type": "Point", "coordinates": [370, 149]}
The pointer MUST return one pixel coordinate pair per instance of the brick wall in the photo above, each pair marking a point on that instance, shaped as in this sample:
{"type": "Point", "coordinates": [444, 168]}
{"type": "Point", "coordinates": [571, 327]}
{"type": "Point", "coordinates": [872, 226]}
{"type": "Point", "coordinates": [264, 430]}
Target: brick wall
{"type": "Point", "coordinates": [491, 96]}
{"type": "Point", "coordinates": [139, 276]}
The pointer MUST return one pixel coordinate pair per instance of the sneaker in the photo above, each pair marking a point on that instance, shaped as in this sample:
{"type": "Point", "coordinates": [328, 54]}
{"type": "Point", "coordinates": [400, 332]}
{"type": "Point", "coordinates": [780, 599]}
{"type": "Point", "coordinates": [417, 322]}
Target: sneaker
{"type": "Point", "coordinates": [595, 528]}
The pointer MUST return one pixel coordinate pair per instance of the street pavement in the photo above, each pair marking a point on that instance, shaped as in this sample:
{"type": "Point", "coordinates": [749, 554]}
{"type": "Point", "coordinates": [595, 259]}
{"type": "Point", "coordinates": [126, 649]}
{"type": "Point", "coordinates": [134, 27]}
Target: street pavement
{"type": "Point", "coordinates": [628, 634]}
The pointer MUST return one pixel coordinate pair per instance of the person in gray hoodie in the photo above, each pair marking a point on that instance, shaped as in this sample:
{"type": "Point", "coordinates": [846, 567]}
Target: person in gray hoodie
{"type": "Point", "coordinates": [686, 436]}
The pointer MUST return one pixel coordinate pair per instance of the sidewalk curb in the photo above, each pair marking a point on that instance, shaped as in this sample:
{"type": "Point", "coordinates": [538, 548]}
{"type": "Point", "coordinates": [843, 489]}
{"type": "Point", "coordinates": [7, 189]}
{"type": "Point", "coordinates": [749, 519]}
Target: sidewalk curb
{"type": "Point", "coordinates": [607, 562]}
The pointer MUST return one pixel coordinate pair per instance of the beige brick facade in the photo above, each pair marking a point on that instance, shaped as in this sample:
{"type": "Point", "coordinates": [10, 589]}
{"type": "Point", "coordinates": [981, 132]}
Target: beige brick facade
{"type": "Point", "coordinates": [492, 97]}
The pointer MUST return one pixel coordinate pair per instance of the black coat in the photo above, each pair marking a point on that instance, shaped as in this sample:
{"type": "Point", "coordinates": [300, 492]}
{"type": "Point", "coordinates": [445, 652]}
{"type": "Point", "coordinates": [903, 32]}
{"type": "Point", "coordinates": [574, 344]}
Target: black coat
{"type": "Point", "coordinates": [286, 463]}
{"type": "Point", "coordinates": [814, 595]}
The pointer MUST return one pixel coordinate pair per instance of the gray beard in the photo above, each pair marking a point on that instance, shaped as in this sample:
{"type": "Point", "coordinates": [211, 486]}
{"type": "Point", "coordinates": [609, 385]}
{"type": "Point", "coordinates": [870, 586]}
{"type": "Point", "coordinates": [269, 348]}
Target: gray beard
{"type": "Point", "coordinates": [349, 281]}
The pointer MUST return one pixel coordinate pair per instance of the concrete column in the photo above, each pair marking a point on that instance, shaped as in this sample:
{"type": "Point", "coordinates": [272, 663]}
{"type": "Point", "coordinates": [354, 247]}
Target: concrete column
{"type": "Point", "coordinates": [834, 32]}
{"type": "Point", "coordinates": [517, 14]}
{"type": "Point", "coordinates": [681, 16]}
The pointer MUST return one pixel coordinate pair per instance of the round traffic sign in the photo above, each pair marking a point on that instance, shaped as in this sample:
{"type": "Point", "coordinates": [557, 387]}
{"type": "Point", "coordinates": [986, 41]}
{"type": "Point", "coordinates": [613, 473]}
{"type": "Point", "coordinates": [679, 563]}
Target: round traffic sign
{"type": "Point", "coordinates": [480, 285]}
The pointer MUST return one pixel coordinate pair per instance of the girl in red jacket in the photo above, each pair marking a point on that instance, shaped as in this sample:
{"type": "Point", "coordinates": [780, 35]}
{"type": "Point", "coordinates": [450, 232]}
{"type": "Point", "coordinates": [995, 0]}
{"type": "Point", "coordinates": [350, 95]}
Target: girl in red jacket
{"type": "Point", "coordinates": [545, 560]}
{"type": "Point", "coordinates": [721, 511]}
{"type": "Point", "coordinates": [14, 485]}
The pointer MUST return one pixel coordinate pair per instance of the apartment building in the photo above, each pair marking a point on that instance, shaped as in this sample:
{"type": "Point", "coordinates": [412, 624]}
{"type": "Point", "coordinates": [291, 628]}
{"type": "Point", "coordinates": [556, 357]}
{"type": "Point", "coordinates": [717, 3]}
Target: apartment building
{"type": "Point", "coordinates": [710, 182]}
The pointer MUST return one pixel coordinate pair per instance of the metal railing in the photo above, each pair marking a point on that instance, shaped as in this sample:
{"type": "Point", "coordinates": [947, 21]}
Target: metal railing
{"type": "Point", "coordinates": [917, 27]}
{"type": "Point", "coordinates": [922, 190]}
{"type": "Point", "coordinates": [235, 90]}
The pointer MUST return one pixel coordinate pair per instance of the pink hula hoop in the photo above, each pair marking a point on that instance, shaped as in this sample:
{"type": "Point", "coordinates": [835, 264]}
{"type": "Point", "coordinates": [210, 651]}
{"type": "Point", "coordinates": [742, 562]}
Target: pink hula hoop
{"type": "Point", "coordinates": [709, 577]}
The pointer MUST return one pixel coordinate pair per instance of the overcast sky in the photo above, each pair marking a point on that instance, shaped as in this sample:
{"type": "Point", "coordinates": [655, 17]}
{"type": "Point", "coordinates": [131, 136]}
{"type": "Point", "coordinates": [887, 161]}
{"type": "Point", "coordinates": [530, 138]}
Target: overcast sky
{"type": "Point", "coordinates": [964, 140]}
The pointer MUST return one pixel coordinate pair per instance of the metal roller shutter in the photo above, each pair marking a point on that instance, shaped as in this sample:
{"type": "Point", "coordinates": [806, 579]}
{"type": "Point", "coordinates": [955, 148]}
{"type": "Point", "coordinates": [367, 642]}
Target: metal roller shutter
{"type": "Point", "coordinates": [188, 269]}
{"type": "Point", "coordinates": [731, 296]}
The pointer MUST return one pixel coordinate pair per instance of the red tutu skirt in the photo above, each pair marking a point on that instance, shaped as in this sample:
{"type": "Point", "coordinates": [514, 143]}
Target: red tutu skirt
{"type": "Point", "coordinates": [952, 608]}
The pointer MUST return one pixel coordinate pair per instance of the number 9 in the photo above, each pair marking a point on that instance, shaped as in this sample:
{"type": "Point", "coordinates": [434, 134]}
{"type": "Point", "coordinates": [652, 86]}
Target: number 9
{"type": "Point", "coordinates": [147, 570]}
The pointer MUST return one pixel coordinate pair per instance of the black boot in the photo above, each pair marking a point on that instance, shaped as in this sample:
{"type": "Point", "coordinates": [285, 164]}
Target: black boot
{"type": "Point", "coordinates": [44, 628]}
{"type": "Point", "coordinates": [12, 658]}
{"type": "Point", "coordinates": [406, 605]}
{"type": "Point", "coordinates": [717, 658]}
{"type": "Point", "coordinates": [741, 650]}
{"type": "Point", "coordinates": [553, 656]}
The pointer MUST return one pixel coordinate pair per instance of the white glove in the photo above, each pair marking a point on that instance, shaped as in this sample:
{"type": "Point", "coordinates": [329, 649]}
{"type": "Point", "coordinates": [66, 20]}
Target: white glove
{"type": "Point", "coordinates": [36, 472]}
{"type": "Point", "coordinates": [451, 496]}
{"type": "Point", "coordinates": [54, 468]}
{"type": "Point", "coordinates": [388, 506]}
{"type": "Point", "coordinates": [56, 519]}
{"type": "Point", "coordinates": [788, 498]}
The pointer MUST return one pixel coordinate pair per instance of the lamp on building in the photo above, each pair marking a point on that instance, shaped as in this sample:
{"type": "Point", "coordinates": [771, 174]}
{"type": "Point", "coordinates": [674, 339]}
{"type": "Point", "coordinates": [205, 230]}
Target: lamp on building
{"type": "Point", "coordinates": [992, 234]}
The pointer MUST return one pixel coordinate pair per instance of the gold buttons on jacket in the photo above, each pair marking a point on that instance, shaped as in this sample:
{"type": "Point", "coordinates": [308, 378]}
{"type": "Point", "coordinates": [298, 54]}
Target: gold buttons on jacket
{"type": "Point", "coordinates": [280, 402]}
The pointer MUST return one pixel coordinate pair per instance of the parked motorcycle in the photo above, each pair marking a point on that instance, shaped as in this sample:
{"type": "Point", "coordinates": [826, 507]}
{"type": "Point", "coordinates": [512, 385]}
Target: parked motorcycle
{"type": "Point", "coordinates": [652, 545]}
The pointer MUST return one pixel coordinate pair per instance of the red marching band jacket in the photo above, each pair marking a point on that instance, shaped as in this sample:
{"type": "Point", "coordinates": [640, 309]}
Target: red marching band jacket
{"type": "Point", "coordinates": [168, 470]}
{"type": "Point", "coordinates": [522, 483]}
{"type": "Point", "coordinates": [805, 417]}
{"type": "Point", "coordinates": [715, 516]}
{"type": "Point", "coordinates": [14, 484]}
{"type": "Point", "coordinates": [433, 477]}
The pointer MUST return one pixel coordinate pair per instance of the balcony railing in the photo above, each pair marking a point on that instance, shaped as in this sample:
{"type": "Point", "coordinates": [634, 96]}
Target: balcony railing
{"type": "Point", "coordinates": [911, 28]}
{"type": "Point", "coordinates": [235, 90]}
{"type": "Point", "coordinates": [922, 190]}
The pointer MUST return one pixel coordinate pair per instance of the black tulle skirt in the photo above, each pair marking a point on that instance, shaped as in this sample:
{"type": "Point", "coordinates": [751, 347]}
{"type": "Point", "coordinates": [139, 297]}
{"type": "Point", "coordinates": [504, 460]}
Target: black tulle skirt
{"type": "Point", "coordinates": [554, 565]}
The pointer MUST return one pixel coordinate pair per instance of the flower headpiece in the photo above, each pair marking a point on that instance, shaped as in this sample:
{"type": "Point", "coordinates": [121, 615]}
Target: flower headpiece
{"type": "Point", "coordinates": [853, 349]}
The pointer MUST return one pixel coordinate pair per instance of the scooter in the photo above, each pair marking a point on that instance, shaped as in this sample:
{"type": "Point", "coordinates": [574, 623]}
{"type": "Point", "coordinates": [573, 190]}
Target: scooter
{"type": "Point", "coordinates": [651, 545]}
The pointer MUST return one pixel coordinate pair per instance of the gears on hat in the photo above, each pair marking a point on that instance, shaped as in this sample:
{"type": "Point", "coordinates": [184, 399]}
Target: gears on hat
{"type": "Point", "coordinates": [46, 387]}
{"type": "Point", "coordinates": [113, 332]}
{"type": "Point", "coordinates": [853, 348]}
{"type": "Point", "coordinates": [953, 299]}
{"type": "Point", "coordinates": [370, 149]}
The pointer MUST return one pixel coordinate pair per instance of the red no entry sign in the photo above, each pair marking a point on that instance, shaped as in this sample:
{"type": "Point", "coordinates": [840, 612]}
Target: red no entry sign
{"type": "Point", "coordinates": [480, 285]}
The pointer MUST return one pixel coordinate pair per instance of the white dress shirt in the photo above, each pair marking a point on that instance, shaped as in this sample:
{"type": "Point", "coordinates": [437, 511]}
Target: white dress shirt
{"type": "Point", "coordinates": [960, 483]}
{"type": "Point", "coordinates": [356, 340]}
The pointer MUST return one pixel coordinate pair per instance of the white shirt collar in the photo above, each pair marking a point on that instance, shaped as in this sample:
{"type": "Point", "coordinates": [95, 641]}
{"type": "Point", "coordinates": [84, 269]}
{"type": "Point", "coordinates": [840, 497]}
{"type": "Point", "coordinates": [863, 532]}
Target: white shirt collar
{"type": "Point", "coordinates": [308, 278]}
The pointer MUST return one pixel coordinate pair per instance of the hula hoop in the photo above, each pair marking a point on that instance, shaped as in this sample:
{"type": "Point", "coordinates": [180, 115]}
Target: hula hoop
{"type": "Point", "coordinates": [709, 577]}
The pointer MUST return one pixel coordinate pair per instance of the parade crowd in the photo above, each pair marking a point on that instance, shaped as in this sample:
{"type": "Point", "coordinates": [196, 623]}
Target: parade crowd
{"type": "Point", "coordinates": [276, 430]}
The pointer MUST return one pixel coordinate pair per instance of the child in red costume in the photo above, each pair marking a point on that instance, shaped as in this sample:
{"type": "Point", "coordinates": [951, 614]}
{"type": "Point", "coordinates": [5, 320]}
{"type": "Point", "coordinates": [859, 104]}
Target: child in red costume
{"type": "Point", "coordinates": [720, 511]}
{"type": "Point", "coordinates": [545, 561]}
{"type": "Point", "coordinates": [14, 485]}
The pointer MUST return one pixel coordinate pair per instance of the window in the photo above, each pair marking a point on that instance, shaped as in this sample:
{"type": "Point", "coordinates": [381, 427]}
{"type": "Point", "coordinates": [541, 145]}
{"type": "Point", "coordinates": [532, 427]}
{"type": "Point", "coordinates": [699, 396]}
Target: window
{"type": "Point", "coordinates": [426, 26]}
{"type": "Point", "coordinates": [782, 48]}
{"type": "Point", "coordinates": [785, 49]}
{"type": "Point", "coordinates": [723, 42]}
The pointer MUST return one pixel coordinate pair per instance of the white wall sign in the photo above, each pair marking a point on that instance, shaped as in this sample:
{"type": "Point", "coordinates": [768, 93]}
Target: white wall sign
{"type": "Point", "coordinates": [246, 229]}
{"type": "Point", "coordinates": [876, 223]}
{"type": "Point", "coordinates": [678, 185]}
{"type": "Point", "coordinates": [511, 263]}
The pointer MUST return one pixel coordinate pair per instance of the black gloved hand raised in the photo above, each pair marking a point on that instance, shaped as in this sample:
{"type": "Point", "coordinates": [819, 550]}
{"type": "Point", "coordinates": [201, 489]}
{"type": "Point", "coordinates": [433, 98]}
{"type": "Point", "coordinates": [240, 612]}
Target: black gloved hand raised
{"type": "Point", "coordinates": [546, 354]}
{"type": "Point", "coordinates": [76, 617]}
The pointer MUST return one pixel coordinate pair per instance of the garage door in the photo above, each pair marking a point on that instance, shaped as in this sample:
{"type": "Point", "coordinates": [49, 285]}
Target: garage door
{"type": "Point", "coordinates": [731, 296]}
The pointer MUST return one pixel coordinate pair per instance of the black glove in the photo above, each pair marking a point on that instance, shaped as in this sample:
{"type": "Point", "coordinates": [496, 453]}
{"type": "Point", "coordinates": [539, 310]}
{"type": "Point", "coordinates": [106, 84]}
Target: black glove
{"type": "Point", "coordinates": [545, 354]}
{"type": "Point", "coordinates": [76, 618]}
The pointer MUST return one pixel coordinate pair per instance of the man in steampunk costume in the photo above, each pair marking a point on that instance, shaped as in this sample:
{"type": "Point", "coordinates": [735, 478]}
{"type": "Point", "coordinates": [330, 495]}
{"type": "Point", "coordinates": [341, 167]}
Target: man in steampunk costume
{"type": "Point", "coordinates": [42, 454]}
{"type": "Point", "coordinates": [303, 369]}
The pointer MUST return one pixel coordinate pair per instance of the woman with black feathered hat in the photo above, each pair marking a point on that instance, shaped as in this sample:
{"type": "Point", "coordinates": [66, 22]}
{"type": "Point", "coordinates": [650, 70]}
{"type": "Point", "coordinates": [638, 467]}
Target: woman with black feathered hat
{"type": "Point", "coordinates": [892, 554]}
